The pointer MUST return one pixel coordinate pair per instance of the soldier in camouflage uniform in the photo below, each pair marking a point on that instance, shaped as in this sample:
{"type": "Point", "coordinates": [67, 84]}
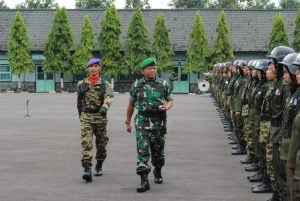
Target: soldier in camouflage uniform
{"type": "Point", "coordinates": [152, 97]}
{"type": "Point", "coordinates": [94, 99]}
{"type": "Point", "coordinates": [289, 111]}
{"type": "Point", "coordinates": [278, 97]}
{"type": "Point", "coordinates": [262, 105]}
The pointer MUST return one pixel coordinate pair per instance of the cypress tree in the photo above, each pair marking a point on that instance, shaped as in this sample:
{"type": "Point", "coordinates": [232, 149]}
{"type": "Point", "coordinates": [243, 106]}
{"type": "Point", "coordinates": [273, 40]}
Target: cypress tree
{"type": "Point", "coordinates": [83, 50]}
{"type": "Point", "coordinates": [198, 52]}
{"type": "Point", "coordinates": [296, 43]}
{"type": "Point", "coordinates": [137, 44]}
{"type": "Point", "coordinates": [58, 45]}
{"type": "Point", "coordinates": [18, 51]}
{"type": "Point", "coordinates": [162, 48]}
{"type": "Point", "coordinates": [222, 49]}
{"type": "Point", "coordinates": [278, 35]}
{"type": "Point", "coordinates": [109, 42]}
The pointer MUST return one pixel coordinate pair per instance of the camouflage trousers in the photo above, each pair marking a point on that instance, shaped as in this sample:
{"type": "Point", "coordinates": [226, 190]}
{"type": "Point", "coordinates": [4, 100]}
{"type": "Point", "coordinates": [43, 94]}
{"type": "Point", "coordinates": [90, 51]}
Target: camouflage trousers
{"type": "Point", "coordinates": [247, 129]}
{"type": "Point", "coordinates": [265, 152]}
{"type": "Point", "coordinates": [150, 138]}
{"type": "Point", "coordinates": [88, 130]}
{"type": "Point", "coordinates": [255, 130]}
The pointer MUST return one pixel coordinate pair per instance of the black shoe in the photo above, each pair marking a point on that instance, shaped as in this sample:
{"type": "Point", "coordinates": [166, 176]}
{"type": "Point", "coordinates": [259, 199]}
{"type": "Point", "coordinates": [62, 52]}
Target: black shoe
{"type": "Point", "coordinates": [232, 142]}
{"type": "Point", "coordinates": [266, 188]}
{"type": "Point", "coordinates": [239, 151]}
{"type": "Point", "coordinates": [248, 159]}
{"type": "Point", "coordinates": [98, 169]}
{"type": "Point", "coordinates": [157, 175]}
{"type": "Point", "coordinates": [257, 185]}
{"type": "Point", "coordinates": [87, 174]}
{"type": "Point", "coordinates": [275, 197]}
{"type": "Point", "coordinates": [144, 185]}
{"type": "Point", "coordinates": [235, 146]}
{"type": "Point", "coordinates": [252, 167]}
{"type": "Point", "coordinates": [258, 177]}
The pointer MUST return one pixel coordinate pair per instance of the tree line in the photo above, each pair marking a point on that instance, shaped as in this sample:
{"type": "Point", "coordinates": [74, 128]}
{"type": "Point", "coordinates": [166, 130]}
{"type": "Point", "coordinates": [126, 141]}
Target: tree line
{"type": "Point", "coordinates": [199, 4]}
{"type": "Point", "coordinates": [63, 56]}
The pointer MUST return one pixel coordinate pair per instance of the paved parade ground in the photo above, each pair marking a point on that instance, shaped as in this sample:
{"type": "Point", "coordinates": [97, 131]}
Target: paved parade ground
{"type": "Point", "coordinates": [40, 155]}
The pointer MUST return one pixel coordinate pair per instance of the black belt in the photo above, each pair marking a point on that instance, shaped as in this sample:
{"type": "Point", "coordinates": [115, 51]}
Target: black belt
{"type": "Point", "coordinates": [150, 114]}
{"type": "Point", "coordinates": [89, 110]}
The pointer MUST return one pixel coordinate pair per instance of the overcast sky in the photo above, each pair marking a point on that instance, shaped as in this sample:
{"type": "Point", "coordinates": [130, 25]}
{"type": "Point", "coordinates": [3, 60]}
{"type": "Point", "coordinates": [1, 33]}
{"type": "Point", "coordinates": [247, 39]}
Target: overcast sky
{"type": "Point", "coordinates": [71, 3]}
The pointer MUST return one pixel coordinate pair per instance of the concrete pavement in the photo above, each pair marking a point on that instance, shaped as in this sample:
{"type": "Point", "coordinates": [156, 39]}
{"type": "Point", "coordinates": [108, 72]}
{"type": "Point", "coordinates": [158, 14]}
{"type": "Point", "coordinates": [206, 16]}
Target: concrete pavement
{"type": "Point", "coordinates": [40, 155]}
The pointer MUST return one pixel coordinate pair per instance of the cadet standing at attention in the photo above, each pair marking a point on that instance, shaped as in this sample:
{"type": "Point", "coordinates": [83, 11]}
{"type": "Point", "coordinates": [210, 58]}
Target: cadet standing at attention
{"type": "Point", "coordinates": [94, 99]}
{"type": "Point", "coordinates": [152, 97]}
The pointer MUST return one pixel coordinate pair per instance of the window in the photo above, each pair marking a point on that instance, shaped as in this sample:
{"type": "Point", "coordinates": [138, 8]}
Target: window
{"type": "Point", "coordinates": [129, 78]}
{"type": "Point", "coordinates": [5, 74]}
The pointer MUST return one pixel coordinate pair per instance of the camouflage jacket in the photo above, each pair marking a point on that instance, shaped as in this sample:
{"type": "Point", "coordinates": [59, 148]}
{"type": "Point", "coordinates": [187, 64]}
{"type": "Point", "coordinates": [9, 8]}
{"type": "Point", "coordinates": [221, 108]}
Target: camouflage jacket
{"type": "Point", "coordinates": [148, 95]}
{"type": "Point", "coordinates": [90, 98]}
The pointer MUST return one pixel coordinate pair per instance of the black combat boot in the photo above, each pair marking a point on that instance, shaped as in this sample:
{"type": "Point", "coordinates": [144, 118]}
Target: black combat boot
{"type": "Point", "coordinates": [264, 187]}
{"type": "Point", "coordinates": [258, 177]}
{"type": "Point", "coordinates": [248, 159]}
{"type": "Point", "coordinates": [157, 175]}
{"type": "Point", "coordinates": [275, 197]}
{"type": "Point", "coordinates": [98, 169]}
{"type": "Point", "coordinates": [144, 186]}
{"type": "Point", "coordinates": [253, 167]}
{"type": "Point", "coordinates": [87, 173]}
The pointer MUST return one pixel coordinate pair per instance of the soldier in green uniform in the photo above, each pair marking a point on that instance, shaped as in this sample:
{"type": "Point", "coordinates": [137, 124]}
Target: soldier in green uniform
{"type": "Point", "coordinates": [289, 111]}
{"type": "Point", "coordinates": [293, 163]}
{"type": "Point", "coordinates": [262, 105]}
{"type": "Point", "coordinates": [258, 93]}
{"type": "Point", "coordinates": [278, 97]}
{"type": "Point", "coordinates": [93, 101]}
{"type": "Point", "coordinates": [239, 90]}
{"type": "Point", "coordinates": [151, 96]}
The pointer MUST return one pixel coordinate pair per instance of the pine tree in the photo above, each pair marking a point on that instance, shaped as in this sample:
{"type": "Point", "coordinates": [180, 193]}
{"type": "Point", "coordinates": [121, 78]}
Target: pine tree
{"type": "Point", "coordinates": [83, 50]}
{"type": "Point", "coordinates": [222, 49]}
{"type": "Point", "coordinates": [137, 47]}
{"type": "Point", "coordinates": [109, 42]}
{"type": "Point", "coordinates": [198, 52]}
{"type": "Point", "coordinates": [278, 35]}
{"type": "Point", "coordinates": [162, 48]}
{"type": "Point", "coordinates": [296, 44]}
{"type": "Point", "coordinates": [58, 45]}
{"type": "Point", "coordinates": [18, 51]}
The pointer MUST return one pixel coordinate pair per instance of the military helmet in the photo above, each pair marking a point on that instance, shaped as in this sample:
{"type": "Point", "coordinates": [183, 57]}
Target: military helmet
{"type": "Point", "coordinates": [297, 61]}
{"type": "Point", "coordinates": [288, 62]}
{"type": "Point", "coordinates": [262, 65]}
{"type": "Point", "coordinates": [279, 52]}
{"type": "Point", "coordinates": [241, 63]}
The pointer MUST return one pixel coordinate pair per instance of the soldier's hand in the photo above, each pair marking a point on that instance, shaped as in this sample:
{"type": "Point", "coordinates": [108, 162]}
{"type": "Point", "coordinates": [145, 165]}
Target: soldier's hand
{"type": "Point", "coordinates": [103, 111]}
{"type": "Point", "coordinates": [128, 128]}
{"type": "Point", "coordinates": [162, 108]}
{"type": "Point", "coordinates": [270, 145]}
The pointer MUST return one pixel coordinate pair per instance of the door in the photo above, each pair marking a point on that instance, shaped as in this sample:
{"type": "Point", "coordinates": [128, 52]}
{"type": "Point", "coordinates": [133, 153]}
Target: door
{"type": "Point", "coordinates": [181, 83]}
{"type": "Point", "coordinates": [44, 81]}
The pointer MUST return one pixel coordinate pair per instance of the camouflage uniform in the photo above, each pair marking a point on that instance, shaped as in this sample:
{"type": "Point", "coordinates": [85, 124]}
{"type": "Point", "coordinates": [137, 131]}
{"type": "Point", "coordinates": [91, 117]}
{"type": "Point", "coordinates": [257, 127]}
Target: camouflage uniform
{"type": "Point", "coordinates": [150, 122]}
{"type": "Point", "coordinates": [89, 101]}
{"type": "Point", "coordinates": [265, 153]}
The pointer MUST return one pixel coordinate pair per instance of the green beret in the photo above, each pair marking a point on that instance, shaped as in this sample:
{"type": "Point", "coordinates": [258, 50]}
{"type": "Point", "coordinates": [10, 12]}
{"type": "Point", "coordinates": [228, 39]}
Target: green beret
{"type": "Point", "coordinates": [148, 62]}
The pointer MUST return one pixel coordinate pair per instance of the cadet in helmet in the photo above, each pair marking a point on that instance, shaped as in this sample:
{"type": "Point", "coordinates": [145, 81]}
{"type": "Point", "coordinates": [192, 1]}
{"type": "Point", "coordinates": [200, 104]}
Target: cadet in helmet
{"type": "Point", "coordinates": [152, 98]}
{"type": "Point", "coordinates": [93, 101]}
{"type": "Point", "coordinates": [277, 102]}
{"type": "Point", "coordinates": [262, 107]}
{"type": "Point", "coordinates": [289, 111]}
{"type": "Point", "coordinates": [250, 95]}
{"type": "Point", "coordinates": [239, 90]}
{"type": "Point", "coordinates": [293, 162]}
